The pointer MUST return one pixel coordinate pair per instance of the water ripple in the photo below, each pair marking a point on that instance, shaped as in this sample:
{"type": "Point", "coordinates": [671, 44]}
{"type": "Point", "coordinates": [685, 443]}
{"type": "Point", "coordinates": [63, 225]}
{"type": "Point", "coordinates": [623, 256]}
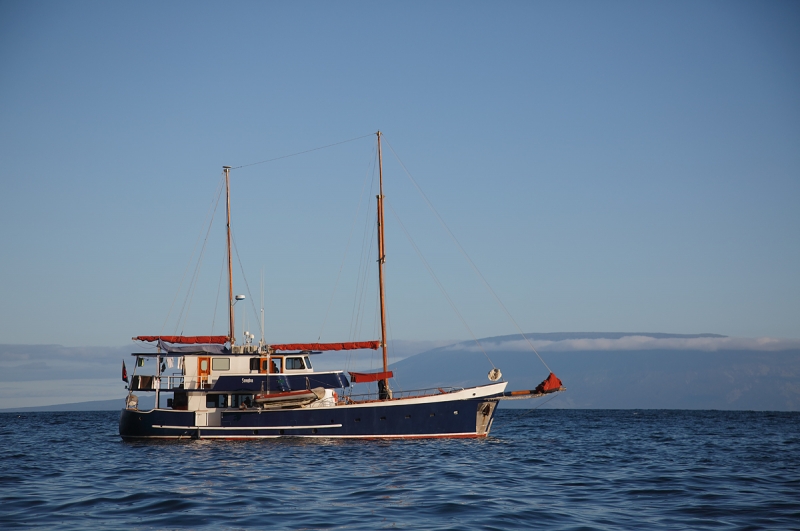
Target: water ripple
{"type": "Point", "coordinates": [556, 469]}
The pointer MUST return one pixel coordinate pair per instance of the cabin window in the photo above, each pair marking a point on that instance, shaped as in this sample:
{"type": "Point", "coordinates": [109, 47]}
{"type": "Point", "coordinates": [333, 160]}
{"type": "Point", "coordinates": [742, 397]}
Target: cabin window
{"type": "Point", "coordinates": [221, 364]}
{"type": "Point", "coordinates": [308, 362]}
{"type": "Point", "coordinates": [294, 364]}
{"type": "Point", "coordinates": [238, 400]}
{"type": "Point", "coordinates": [254, 363]}
{"type": "Point", "coordinates": [276, 365]}
{"type": "Point", "coordinates": [215, 401]}
{"type": "Point", "coordinates": [180, 401]}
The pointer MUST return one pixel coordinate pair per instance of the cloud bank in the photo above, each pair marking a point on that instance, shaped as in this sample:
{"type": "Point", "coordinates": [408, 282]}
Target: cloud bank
{"type": "Point", "coordinates": [637, 342]}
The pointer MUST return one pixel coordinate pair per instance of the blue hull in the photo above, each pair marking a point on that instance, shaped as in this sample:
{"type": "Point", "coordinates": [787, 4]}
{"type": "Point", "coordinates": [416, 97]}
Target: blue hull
{"type": "Point", "coordinates": [391, 419]}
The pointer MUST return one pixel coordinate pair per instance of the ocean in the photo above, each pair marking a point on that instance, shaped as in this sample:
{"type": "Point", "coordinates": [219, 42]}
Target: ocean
{"type": "Point", "coordinates": [539, 469]}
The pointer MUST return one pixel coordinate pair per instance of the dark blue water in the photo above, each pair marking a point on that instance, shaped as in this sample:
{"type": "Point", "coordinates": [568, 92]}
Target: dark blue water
{"type": "Point", "coordinates": [540, 469]}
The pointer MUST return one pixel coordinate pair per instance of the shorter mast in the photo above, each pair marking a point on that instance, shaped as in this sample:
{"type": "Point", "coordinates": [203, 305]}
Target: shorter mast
{"type": "Point", "coordinates": [227, 170]}
{"type": "Point", "coordinates": [381, 262]}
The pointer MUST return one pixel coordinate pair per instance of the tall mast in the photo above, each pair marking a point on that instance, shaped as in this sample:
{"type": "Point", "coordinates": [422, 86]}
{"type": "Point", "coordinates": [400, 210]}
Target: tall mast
{"type": "Point", "coordinates": [230, 269]}
{"type": "Point", "coordinates": [381, 261]}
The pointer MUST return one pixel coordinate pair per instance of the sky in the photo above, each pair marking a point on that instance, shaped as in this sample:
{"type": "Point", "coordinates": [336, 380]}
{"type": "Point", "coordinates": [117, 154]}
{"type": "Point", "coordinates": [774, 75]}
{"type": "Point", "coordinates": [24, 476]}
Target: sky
{"type": "Point", "coordinates": [615, 166]}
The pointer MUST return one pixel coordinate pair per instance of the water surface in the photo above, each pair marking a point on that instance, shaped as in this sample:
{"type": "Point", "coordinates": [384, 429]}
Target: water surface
{"type": "Point", "coordinates": [555, 469]}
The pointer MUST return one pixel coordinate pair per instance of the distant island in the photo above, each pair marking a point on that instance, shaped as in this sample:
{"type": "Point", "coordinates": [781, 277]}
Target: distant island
{"type": "Point", "coordinates": [601, 370]}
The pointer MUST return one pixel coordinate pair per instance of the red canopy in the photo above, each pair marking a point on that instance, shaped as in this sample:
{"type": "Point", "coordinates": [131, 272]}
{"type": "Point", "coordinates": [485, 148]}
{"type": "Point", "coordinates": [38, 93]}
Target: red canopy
{"type": "Point", "coordinates": [186, 340]}
{"type": "Point", "coordinates": [363, 377]}
{"type": "Point", "coordinates": [550, 384]}
{"type": "Point", "coordinates": [353, 345]}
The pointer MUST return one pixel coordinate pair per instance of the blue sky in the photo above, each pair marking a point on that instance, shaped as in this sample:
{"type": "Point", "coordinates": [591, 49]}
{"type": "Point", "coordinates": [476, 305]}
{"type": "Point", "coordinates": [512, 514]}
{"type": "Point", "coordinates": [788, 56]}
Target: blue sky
{"type": "Point", "coordinates": [620, 166]}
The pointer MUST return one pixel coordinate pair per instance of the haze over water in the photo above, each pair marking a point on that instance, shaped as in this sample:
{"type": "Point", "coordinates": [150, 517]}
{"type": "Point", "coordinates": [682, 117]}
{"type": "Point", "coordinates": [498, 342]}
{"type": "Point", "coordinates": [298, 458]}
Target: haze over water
{"type": "Point", "coordinates": [575, 469]}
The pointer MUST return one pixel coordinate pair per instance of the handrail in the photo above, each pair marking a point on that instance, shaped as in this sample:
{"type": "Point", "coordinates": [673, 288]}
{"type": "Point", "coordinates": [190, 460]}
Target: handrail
{"type": "Point", "coordinates": [153, 382]}
{"type": "Point", "coordinates": [411, 393]}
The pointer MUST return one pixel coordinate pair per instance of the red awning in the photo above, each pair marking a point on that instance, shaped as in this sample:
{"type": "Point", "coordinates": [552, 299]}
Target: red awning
{"type": "Point", "coordinates": [353, 345]}
{"type": "Point", "coordinates": [363, 377]}
{"type": "Point", "coordinates": [186, 340]}
{"type": "Point", "coordinates": [550, 384]}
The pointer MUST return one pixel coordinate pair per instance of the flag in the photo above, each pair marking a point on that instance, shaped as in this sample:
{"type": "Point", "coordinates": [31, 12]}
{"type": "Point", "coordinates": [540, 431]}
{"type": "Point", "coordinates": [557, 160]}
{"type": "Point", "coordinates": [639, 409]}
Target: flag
{"type": "Point", "coordinates": [124, 372]}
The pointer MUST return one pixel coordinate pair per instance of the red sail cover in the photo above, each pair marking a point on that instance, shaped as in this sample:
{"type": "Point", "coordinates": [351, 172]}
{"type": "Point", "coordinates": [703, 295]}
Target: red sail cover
{"type": "Point", "coordinates": [363, 377]}
{"type": "Point", "coordinates": [550, 384]}
{"type": "Point", "coordinates": [186, 340]}
{"type": "Point", "coordinates": [353, 345]}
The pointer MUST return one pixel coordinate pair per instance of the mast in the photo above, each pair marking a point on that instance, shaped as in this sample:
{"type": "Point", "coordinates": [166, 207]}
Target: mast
{"type": "Point", "coordinates": [381, 262]}
{"type": "Point", "coordinates": [227, 170]}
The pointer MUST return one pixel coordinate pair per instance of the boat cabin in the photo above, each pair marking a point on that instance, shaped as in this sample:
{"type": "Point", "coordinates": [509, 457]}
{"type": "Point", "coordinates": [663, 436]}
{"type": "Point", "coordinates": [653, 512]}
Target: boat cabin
{"type": "Point", "coordinates": [204, 381]}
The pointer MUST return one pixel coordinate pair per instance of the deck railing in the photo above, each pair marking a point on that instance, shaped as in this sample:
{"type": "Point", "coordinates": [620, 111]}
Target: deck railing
{"type": "Point", "coordinates": [411, 393]}
{"type": "Point", "coordinates": [145, 382]}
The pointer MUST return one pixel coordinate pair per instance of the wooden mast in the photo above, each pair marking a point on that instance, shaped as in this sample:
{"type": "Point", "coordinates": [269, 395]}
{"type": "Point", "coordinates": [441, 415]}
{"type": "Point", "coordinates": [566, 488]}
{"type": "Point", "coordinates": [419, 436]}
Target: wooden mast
{"type": "Point", "coordinates": [381, 261]}
{"type": "Point", "coordinates": [230, 269]}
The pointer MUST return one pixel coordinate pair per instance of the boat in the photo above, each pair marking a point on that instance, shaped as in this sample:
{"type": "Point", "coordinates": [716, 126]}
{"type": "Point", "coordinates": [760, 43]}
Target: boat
{"type": "Point", "coordinates": [290, 398]}
{"type": "Point", "coordinates": [227, 390]}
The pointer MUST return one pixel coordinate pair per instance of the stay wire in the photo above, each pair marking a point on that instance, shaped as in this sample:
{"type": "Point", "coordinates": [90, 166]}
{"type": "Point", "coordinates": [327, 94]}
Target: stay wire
{"type": "Point", "coordinates": [464, 253]}
{"type": "Point", "coordinates": [346, 249]}
{"type": "Point", "coordinates": [187, 305]}
{"type": "Point", "coordinates": [362, 280]}
{"type": "Point", "coordinates": [189, 263]}
{"type": "Point", "coordinates": [439, 284]}
{"type": "Point", "coordinates": [301, 152]}
{"type": "Point", "coordinates": [219, 290]}
{"type": "Point", "coordinates": [244, 277]}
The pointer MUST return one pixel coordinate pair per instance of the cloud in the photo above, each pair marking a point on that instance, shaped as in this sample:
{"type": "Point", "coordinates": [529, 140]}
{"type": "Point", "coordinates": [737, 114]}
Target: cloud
{"type": "Point", "coordinates": [635, 342]}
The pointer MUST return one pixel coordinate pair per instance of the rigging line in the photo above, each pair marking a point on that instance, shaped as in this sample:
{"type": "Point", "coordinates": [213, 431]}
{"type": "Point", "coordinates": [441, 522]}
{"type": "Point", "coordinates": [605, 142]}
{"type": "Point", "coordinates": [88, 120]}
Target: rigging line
{"type": "Point", "coordinates": [346, 248]}
{"type": "Point", "coordinates": [362, 281]}
{"type": "Point", "coordinates": [192, 291]}
{"type": "Point", "coordinates": [375, 321]}
{"type": "Point", "coordinates": [244, 277]}
{"type": "Point", "coordinates": [464, 253]}
{"type": "Point", "coordinates": [364, 292]}
{"type": "Point", "coordinates": [302, 152]}
{"type": "Point", "coordinates": [439, 284]}
{"type": "Point", "coordinates": [361, 261]}
{"type": "Point", "coordinates": [198, 267]}
{"type": "Point", "coordinates": [262, 306]}
{"type": "Point", "coordinates": [398, 384]}
{"type": "Point", "coordinates": [392, 351]}
{"type": "Point", "coordinates": [219, 290]}
{"type": "Point", "coordinates": [189, 263]}
{"type": "Point", "coordinates": [193, 282]}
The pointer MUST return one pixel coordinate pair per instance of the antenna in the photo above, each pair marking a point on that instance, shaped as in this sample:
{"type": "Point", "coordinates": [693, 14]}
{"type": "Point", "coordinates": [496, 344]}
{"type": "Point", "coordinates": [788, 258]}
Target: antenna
{"type": "Point", "coordinates": [262, 306]}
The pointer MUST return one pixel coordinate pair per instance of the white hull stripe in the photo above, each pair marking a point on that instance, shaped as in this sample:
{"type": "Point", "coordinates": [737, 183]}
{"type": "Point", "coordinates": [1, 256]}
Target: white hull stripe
{"type": "Point", "coordinates": [246, 427]}
{"type": "Point", "coordinates": [425, 436]}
